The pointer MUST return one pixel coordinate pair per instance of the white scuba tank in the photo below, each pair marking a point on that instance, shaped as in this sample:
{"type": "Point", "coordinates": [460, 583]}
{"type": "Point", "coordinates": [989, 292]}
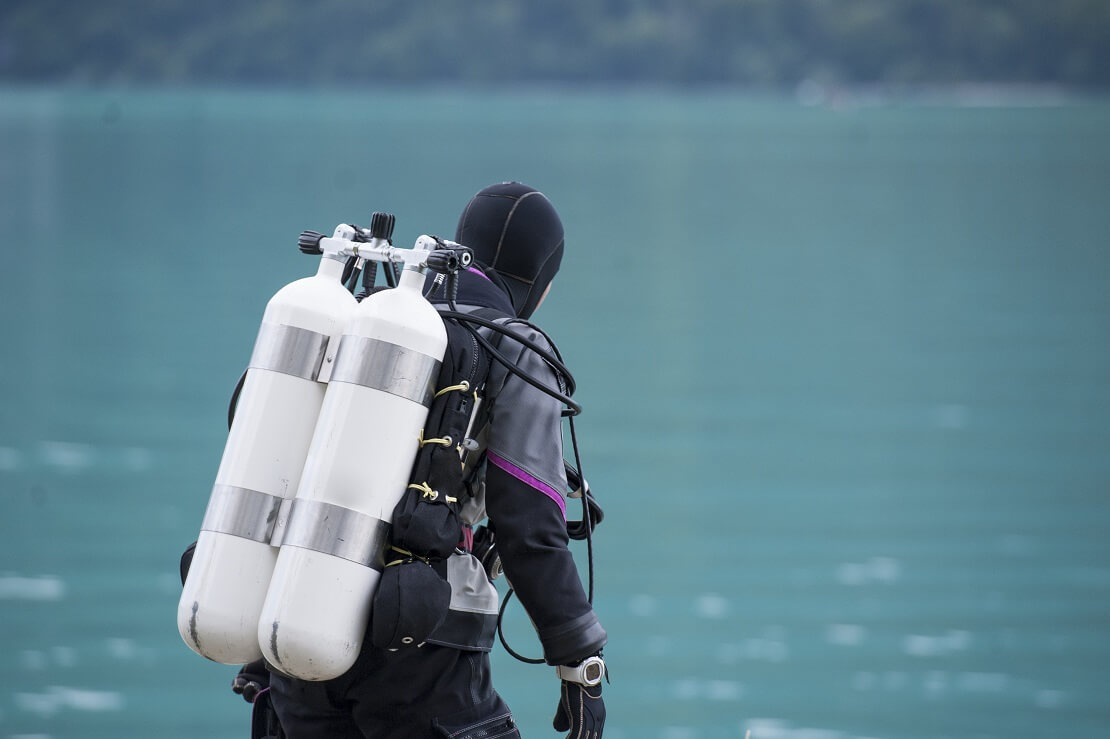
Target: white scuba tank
{"type": "Point", "coordinates": [358, 467]}
{"type": "Point", "coordinates": [261, 465]}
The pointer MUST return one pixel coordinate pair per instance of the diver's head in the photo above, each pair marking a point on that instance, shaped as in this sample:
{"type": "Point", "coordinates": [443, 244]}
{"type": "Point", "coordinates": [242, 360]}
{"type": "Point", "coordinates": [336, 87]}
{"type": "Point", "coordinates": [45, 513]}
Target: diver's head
{"type": "Point", "coordinates": [514, 231]}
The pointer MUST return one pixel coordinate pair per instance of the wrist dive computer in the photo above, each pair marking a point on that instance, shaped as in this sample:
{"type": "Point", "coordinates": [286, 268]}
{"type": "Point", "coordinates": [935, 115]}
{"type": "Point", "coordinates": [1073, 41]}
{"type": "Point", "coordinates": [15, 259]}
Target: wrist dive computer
{"type": "Point", "coordinates": [588, 672]}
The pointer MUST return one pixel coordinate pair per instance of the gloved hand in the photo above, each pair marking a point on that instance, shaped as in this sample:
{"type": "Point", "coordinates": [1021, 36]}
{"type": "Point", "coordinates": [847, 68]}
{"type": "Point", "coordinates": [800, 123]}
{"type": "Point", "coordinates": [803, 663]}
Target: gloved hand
{"type": "Point", "coordinates": [251, 681]}
{"type": "Point", "coordinates": [581, 711]}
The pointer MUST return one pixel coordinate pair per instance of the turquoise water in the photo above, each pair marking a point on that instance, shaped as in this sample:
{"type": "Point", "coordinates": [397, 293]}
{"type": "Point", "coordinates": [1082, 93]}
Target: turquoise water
{"type": "Point", "coordinates": [845, 371]}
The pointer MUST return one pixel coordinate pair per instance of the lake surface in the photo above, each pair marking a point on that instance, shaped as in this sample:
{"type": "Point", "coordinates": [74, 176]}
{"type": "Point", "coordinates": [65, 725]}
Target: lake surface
{"type": "Point", "coordinates": [845, 370]}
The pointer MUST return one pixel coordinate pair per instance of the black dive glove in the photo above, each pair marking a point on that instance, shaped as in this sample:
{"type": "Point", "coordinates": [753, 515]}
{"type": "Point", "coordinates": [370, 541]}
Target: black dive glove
{"type": "Point", "coordinates": [581, 711]}
{"type": "Point", "coordinates": [251, 681]}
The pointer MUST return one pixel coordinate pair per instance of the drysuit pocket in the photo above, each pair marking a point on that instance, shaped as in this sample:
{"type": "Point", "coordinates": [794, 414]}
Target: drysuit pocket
{"type": "Point", "coordinates": [411, 602]}
{"type": "Point", "coordinates": [469, 724]}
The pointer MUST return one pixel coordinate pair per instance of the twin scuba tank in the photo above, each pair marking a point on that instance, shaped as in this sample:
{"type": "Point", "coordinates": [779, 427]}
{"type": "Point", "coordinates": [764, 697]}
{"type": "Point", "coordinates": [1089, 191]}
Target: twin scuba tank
{"type": "Point", "coordinates": [290, 549]}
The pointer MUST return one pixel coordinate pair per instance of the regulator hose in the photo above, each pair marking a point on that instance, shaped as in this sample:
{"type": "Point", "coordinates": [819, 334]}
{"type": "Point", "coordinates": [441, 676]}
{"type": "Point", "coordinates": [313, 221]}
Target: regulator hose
{"type": "Point", "coordinates": [552, 359]}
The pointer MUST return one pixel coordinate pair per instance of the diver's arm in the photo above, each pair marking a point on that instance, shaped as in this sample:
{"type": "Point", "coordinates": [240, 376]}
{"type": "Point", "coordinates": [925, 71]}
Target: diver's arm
{"type": "Point", "coordinates": [532, 541]}
{"type": "Point", "coordinates": [525, 489]}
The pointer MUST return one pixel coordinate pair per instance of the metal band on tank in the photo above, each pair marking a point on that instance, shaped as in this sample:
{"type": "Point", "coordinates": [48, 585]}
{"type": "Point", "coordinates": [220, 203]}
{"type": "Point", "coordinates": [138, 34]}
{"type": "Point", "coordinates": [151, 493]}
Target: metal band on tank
{"type": "Point", "coordinates": [242, 512]}
{"type": "Point", "coordinates": [290, 350]}
{"type": "Point", "coordinates": [387, 367]}
{"type": "Point", "coordinates": [335, 530]}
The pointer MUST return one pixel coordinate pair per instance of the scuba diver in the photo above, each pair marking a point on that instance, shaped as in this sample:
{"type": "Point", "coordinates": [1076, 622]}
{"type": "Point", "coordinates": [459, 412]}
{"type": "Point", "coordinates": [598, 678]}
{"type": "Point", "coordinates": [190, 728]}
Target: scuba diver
{"type": "Point", "coordinates": [514, 477]}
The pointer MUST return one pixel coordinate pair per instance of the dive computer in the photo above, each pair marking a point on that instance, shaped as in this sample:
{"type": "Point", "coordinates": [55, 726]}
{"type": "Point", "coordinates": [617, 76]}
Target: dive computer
{"type": "Point", "coordinates": [588, 672]}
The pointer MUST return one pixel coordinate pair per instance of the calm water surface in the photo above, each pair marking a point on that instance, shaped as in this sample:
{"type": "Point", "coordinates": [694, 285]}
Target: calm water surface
{"type": "Point", "coordinates": [845, 371]}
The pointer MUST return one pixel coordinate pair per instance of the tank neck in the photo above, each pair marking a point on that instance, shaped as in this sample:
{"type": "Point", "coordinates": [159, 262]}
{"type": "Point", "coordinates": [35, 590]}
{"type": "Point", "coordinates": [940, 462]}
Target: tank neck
{"type": "Point", "coordinates": [412, 279]}
{"type": "Point", "coordinates": [330, 267]}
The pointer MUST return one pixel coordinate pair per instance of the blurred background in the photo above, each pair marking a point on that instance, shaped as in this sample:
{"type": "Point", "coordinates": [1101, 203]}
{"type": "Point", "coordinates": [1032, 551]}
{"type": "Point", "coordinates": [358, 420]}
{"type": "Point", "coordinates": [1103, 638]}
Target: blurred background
{"type": "Point", "coordinates": [835, 294]}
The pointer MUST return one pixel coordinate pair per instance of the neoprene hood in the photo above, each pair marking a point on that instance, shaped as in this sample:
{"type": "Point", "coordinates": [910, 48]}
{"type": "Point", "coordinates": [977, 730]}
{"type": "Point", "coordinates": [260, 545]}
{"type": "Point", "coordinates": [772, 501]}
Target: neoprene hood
{"type": "Point", "coordinates": [515, 232]}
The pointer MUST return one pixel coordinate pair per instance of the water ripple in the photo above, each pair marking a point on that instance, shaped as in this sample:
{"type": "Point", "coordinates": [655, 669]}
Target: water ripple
{"type": "Point", "coordinates": [42, 588]}
{"type": "Point", "coordinates": [57, 697]}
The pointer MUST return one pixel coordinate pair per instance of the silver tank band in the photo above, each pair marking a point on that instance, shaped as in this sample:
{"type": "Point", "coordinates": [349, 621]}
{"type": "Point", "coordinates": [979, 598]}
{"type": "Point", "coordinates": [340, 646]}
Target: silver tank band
{"type": "Point", "coordinates": [387, 367]}
{"type": "Point", "coordinates": [335, 530]}
{"type": "Point", "coordinates": [242, 512]}
{"type": "Point", "coordinates": [290, 350]}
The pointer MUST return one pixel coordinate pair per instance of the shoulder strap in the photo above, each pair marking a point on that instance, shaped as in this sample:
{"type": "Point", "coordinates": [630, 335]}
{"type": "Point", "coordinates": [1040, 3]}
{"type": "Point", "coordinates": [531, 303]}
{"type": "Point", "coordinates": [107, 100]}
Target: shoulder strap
{"type": "Point", "coordinates": [462, 375]}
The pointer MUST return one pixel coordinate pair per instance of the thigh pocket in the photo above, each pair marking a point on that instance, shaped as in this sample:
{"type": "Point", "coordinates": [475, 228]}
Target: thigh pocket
{"type": "Point", "coordinates": [476, 723]}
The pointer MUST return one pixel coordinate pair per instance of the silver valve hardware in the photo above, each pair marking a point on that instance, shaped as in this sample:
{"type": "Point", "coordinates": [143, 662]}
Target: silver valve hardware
{"type": "Point", "coordinates": [589, 672]}
{"type": "Point", "coordinates": [429, 252]}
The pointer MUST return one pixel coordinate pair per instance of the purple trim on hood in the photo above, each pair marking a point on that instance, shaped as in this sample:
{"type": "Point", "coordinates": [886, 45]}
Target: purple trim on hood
{"type": "Point", "coordinates": [528, 480]}
{"type": "Point", "coordinates": [480, 273]}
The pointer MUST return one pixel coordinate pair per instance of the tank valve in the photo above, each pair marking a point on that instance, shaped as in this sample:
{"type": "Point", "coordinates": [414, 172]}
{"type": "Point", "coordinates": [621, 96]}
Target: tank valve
{"type": "Point", "coordinates": [309, 242]}
{"type": "Point", "coordinates": [449, 259]}
{"type": "Point", "coordinates": [381, 226]}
